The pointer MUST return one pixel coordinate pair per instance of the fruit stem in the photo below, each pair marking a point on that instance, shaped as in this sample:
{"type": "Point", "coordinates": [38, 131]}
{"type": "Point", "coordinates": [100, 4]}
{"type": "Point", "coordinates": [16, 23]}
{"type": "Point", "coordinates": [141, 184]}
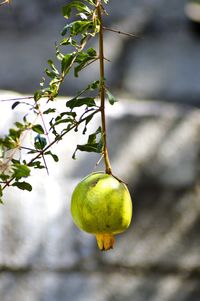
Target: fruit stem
{"type": "Point", "coordinates": [102, 89]}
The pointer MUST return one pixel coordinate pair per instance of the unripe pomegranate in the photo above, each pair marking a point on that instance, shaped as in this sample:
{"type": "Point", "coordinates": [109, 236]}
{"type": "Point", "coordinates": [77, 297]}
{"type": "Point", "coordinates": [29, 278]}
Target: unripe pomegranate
{"type": "Point", "coordinates": [101, 205]}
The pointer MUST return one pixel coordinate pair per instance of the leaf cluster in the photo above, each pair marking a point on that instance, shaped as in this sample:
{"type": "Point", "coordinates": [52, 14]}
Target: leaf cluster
{"type": "Point", "coordinates": [47, 126]}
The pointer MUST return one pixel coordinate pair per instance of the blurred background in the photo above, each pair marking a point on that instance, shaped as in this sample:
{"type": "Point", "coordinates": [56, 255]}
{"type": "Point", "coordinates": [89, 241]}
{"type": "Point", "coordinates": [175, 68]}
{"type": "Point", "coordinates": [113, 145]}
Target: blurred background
{"type": "Point", "coordinates": [154, 146]}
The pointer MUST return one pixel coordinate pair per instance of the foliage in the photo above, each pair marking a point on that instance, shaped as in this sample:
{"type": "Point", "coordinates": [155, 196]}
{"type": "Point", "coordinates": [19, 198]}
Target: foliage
{"type": "Point", "coordinates": [73, 54]}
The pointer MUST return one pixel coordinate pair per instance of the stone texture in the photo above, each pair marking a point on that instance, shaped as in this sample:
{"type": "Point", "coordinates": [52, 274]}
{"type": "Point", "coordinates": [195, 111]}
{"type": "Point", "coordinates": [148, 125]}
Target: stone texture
{"type": "Point", "coordinates": [165, 67]}
{"type": "Point", "coordinates": [24, 56]}
{"type": "Point", "coordinates": [163, 63]}
{"type": "Point", "coordinates": [155, 149]}
{"type": "Point", "coordinates": [97, 286]}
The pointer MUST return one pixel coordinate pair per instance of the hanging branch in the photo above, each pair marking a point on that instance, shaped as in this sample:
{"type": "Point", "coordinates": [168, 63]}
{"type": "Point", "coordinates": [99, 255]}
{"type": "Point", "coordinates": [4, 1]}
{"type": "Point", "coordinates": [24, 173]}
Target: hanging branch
{"type": "Point", "coordinates": [86, 25]}
{"type": "Point", "coordinates": [102, 90]}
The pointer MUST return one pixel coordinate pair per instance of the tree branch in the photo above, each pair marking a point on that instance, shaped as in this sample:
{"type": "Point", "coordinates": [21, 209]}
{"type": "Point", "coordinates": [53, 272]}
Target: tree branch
{"type": "Point", "coordinates": [102, 90]}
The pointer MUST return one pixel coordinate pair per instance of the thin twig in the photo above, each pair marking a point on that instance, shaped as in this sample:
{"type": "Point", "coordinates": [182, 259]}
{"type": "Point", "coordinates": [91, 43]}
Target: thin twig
{"type": "Point", "coordinates": [87, 111]}
{"type": "Point", "coordinates": [91, 62]}
{"type": "Point", "coordinates": [60, 137]}
{"type": "Point", "coordinates": [18, 98]}
{"type": "Point", "coordinates": [50, 145]}
{"type": "Point", "coordinates": [31, 149]}
{"type": "Point", "coordinates": [98, 162]}
{"type": "Point", "coordinates": [45, 164]}
{"type": "Point", "coordinates": [27, 148]}
{"type": "Point", "coordinates": [43, 122]}
{"type": "Point", "coordinates": [107, 60]}
{"type": "Point", "coordinates": [121, 32]}
{"type": "Point", "coordinates": [17, 147]}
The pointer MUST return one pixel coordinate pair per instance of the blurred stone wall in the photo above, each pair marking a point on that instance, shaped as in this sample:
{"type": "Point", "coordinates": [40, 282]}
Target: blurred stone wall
{"type": "Point", "coordinates": [161, 63]}
{"type": "Point", "coordinates": [44, 257]}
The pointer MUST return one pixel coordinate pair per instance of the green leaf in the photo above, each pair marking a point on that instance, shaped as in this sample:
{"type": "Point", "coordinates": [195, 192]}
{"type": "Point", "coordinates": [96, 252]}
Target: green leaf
{"type": "Point", "coordinates": [92, 144]}
{"type": "Point", "coordinates": [65, 120]}
{"type": "Point", "coordinates": [91, 52]}
{"type": "Point", "coordinates": [66, 62]}
{"type": "Point", "coordinates": [92, 137]}
{"type": "Point", "coordinates": [83, 59]}
{"type": "Point", "coordinates": [88, 147]}
{"type": "Point", "coordinates": [15, 104]}
{"type": "Point", "coordinates": [50, 110]}
{"type": "Point", "coordinates": [84, 148]}
{"type": "Point", "coordinates": [36, 165]}
{"type": "Point", "coordinates": [53, 67]}
{"type": "Point", "coordinates": [68, 41]}
{"type": "Point", "coordinates": [19, 125]}
{"type": "Point", "coordinates": [54, 156]}
{"type": "Point", "coordinates": [78, 102]}
{"type": "Point", "coordinates": [78, 5]}
{"type": "Point", "coordinates": [40, 142]}
{"type": "Point", "coordinates": [33, 151]}
{"type": "Point", "coordinates": [78, 68]}
{"type": "Point", "coordinates": [23, 185]}
{"type": "Point", "coordinates": [4, 178]}
{"type": "Point", "coordinates": [14, 134]}
{"type": "Point", "coordinates": [111, 97]}
{"type": "Point", "coordinates": [50, 74]}
{"type": "Point", "coordinates": [38, 129]}
{"type": "Point", "coordinates": [88, 119]}
{"type": "Point", "coordinates": [93, 86]}
{"type": "Point", "coordinates": [1, 191]}
{"type": "Point", "coordinates": [38, 94]}
{"type": "Point", "coordinates": [78, 27]}
{"type": "Point", "coordinates": [51, 122]}
{"type": "Point", "coordinates": [8, 142]}
{"type": "Point", "coordinates": [20, 170]}
{"type": "Point", "coordinates": [72, 114]}
{"type": "Point", "coordinates": [1, 194]}
{"type": "Point", "coordinates": [59, 55]}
